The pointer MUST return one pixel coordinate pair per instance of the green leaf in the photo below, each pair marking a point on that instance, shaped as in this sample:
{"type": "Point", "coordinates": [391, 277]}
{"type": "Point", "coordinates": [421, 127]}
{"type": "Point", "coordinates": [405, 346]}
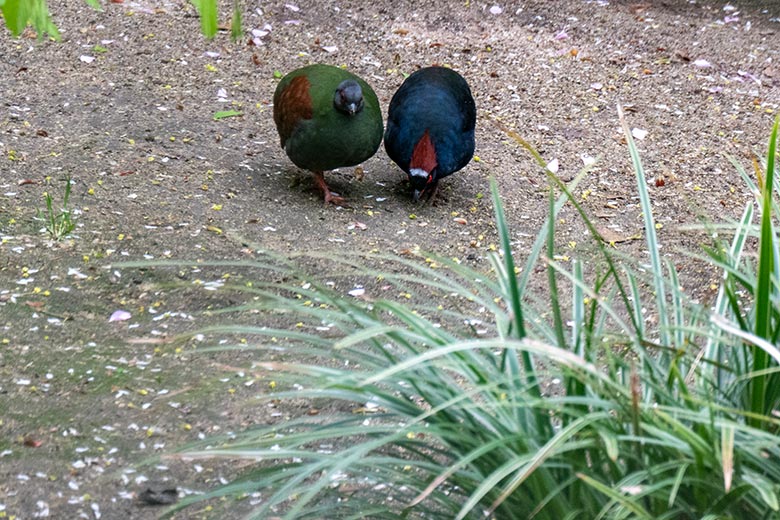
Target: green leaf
{"type": "Point", "coordinates": [766, 253]}
{"type": "Point", "coordinates": [764, 488]}
{"type": "Point", "coordinates": [616, 496]}
{"type": "Point", "coordinates": [513, 291]}
{"type": "Point", "coordinates": [678, 479]}
{"type": "Point", "coordinates": [764, 287]}
{"type": "Point", "coordinates": [610, 443]}
{"type": "Point", "coordinates": [236, 31]}
{"type": "Point", "coordinates": [713, 350]}
{"type": "Point", "coordinates": [14, 15]}
{"type": "Point", "coordinates": [208, 16]}
{"type": "Point", "coordinates": [17, 14]}
{"type": "Point", "coordinates": [659, 284]}
{"type": "Point", "coordinates": [95, 4]}
{"type": "Point", "coordinates": [226, 113]}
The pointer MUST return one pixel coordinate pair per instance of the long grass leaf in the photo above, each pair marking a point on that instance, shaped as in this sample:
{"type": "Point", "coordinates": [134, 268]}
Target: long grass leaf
{"type": "Point", "coordinates": [207, 9]}
{"type": "Point", "coordinates": [712, 348]}
{"type": "Point", "coordinates": [766, 267]}
{"type": "Point", "coordinates": [526, 468]}
{"type": "Point", "coordinates": [678, 480]}
{"type": "Point", "coordinates": [766, 251]}
{"type": "Point", "coordinates": [659, 284]}
{"type": "Point", "coordinates": [765, 488]}
{"type": "Point", "coordinates": [727, 456]}
{"type": "Point", "coordinates": [514, 296]}
{"type": "Point", "coordinates": [616, 496]}
{"type": "Point", "coordinates": [552, 283]}
{"type": "Point", "coordinates": [763, 346]}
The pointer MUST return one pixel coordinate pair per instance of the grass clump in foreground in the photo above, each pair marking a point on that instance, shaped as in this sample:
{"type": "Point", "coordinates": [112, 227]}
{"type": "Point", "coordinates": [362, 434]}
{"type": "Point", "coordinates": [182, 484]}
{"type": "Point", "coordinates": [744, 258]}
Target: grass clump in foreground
{"type": "Point", "coordinates": [680, 424]}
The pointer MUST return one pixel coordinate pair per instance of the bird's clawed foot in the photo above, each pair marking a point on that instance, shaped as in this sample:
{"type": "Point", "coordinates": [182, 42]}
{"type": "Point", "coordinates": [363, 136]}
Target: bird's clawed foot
{"type": "Point", "coordinates": [330, 196]}
{"type": "Point", "coordinates": [436, 195]}
{"type": "Point", "coordinates": [429, 195]}
{"type": "Point", "coordinates": [335, 199]}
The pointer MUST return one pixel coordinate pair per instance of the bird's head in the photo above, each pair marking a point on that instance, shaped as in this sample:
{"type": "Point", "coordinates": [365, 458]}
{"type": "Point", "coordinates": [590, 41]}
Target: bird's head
{"type": "Point", "coordinates": [423, 166]}
{"type": "Point", "coordinates": [348, 97]}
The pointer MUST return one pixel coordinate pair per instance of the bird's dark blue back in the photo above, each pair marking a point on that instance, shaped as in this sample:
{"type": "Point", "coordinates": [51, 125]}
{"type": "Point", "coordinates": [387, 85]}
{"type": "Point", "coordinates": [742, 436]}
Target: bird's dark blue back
{"type": "Point", "coordinates": [439, 100]}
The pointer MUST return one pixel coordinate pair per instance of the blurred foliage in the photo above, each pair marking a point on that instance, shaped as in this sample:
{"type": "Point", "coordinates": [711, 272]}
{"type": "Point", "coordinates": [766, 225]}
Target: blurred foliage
{"type": "Point", "coordinates": [20, 14]}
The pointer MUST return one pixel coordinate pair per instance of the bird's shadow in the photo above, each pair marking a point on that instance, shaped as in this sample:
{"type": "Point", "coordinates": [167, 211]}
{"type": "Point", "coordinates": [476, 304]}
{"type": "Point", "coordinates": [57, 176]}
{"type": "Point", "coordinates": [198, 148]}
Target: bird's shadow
{"type": "Point", "coordinates": [379, 183]}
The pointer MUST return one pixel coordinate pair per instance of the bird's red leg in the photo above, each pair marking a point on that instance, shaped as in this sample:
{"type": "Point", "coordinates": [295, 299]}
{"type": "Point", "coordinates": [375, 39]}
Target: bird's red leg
{"type": "Point", "coordinates": [330, 197]}
{"type": "Point", "coordinates": [432, 191]}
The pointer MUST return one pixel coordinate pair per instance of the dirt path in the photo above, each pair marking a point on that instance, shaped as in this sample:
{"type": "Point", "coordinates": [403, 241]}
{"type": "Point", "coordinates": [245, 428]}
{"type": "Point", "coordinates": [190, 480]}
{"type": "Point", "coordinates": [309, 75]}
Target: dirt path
{"type": "Point", "coordinates": [124, 105]}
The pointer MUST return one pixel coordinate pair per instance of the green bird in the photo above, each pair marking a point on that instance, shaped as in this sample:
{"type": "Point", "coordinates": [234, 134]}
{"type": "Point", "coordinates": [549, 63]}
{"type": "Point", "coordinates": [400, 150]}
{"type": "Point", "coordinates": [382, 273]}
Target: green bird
{"type": "Point", "coordinates": [327, 118]}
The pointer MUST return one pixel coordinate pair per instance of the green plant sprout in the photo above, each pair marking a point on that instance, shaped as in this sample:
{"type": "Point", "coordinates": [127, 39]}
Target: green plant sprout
{"type": "Point", "coordinates": [58, 222]}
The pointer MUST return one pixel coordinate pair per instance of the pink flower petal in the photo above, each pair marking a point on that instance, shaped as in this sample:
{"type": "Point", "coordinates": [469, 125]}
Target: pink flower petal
{"type": "Point", "coordinates": [119, 315]}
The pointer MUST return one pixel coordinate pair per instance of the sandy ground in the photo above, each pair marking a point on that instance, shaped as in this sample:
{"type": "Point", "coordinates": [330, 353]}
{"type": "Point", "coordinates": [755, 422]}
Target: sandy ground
{"type": "Point", "coordinates": [124, 107]}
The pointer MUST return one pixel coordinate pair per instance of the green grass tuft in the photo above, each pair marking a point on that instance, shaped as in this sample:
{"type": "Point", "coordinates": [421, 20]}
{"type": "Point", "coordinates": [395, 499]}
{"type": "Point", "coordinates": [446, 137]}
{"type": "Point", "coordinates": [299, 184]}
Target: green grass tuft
{"type": "Point", "coordinates": [58, 222]}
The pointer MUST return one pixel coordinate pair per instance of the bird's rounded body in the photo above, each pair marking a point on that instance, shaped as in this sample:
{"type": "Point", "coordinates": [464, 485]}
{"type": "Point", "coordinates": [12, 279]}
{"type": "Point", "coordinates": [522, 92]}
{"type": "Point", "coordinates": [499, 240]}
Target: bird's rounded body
{"type": "Point", "coordinates": [314, 134]}
{"type": "Point", "coordinates": [430, 126]}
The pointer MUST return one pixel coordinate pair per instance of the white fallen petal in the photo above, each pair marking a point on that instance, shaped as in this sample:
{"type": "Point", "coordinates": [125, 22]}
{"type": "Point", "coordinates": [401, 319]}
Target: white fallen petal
{"type": "Point", "coordinates": [357, 291]}
{"type": "Point", "coordinates": [74, 271]}
{"type": "Point", "coordinates": [702, 63]}
{"type": "Point", "coordinates": [553, 166]}
{"type": "Point", "coordinates": [496, 9]}
{"type": "Point", "coordinates": [587, 160]}
{"type": "Point", "coordinates": [638, 133]}
{"type": "Point", "coordinates": [330, 48]}
{"type": "Point", "coordinates": [120, 315]}
{"type": "Point", "coordinates": [43, 509]}
{"type": "Point", "coordinates": [86, 59]}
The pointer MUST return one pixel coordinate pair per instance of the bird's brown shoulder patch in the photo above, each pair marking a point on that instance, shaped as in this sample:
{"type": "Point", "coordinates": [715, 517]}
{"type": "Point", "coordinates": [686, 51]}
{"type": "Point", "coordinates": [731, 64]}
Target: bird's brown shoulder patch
{"type": "Point", "coordinates": [294, 104]}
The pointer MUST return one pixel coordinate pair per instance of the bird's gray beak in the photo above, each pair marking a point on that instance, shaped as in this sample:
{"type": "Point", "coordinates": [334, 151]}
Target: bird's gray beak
{"type": "Point", "coordinates": [352, 109]}
{"type": "Point", "coordinates": [416, 195]}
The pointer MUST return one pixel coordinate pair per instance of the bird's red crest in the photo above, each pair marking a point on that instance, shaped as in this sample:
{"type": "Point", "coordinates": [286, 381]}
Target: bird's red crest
{"type": "Point", "coordinates": [424, 154]}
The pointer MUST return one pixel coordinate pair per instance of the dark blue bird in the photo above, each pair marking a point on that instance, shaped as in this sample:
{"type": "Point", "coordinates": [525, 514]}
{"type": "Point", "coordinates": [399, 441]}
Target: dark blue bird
{"type": "Point", "coordinates": [430, 127]}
